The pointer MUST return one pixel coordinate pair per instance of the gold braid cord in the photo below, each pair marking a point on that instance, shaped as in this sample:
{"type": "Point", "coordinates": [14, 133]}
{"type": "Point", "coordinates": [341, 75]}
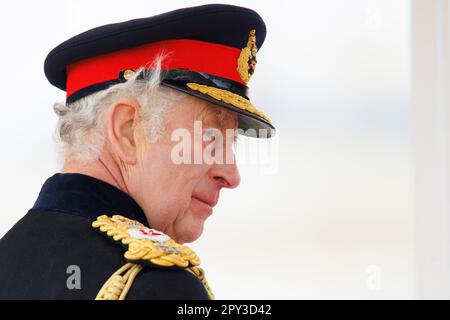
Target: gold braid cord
{"type": "Point", "coordinates": [144, 245]}
{"type": "Point", "coordinates": [200, 273]}
{"type": "Point", "coordinates": [227, 97]}
{"type": "Point", "coordinates": [118, 285]}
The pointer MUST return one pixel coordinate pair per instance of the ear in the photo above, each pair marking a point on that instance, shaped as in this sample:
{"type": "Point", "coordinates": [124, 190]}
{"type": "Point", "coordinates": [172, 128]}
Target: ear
{"type": "Point", "coordinates": [121, 124]}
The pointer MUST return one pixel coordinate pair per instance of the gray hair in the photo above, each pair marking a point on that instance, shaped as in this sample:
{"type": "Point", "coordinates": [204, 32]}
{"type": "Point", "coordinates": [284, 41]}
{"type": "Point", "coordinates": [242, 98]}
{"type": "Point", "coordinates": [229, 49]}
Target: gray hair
{"type": "Point", "coordinates": [80, 133]}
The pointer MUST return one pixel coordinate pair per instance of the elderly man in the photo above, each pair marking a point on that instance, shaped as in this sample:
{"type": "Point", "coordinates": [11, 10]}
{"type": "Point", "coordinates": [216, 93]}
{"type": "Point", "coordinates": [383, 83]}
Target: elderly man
{"type": "Point", "coordinates": [147, 132]}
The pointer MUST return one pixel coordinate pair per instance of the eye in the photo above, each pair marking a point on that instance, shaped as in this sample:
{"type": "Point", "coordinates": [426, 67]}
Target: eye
{"type": "Point", "coordinates": [209, 134]}
{"type": "Point", "coordinates": [213, 140]}
{"type": "Point", "coordinates": [213, 135]}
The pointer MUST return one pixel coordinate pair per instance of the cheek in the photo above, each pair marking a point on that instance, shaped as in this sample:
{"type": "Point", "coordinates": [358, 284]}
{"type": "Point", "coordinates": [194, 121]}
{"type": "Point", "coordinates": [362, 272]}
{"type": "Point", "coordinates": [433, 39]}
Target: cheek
{"type": "Point", "coordinates": [165, 188]}
{"type": "Point", "coordinates": [185, 181]}
{"type": "Point", "coordinates": [183, 215]}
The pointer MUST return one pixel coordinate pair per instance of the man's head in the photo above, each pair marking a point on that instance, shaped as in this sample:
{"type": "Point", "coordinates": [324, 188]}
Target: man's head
{"type": "Point", "coordinates": [143, 129]}
{"type": "Point", "coordinates": [163, 137]}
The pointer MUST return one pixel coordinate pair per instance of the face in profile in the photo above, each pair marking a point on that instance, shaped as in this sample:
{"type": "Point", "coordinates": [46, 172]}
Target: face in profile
{"type": "Point", "coordinates": [178, 197]}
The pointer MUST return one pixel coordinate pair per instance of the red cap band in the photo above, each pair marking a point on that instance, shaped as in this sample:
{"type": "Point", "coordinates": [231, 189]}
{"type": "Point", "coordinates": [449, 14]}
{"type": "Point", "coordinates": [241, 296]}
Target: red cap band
{"type": "Point", "coordinates": [215, 59]}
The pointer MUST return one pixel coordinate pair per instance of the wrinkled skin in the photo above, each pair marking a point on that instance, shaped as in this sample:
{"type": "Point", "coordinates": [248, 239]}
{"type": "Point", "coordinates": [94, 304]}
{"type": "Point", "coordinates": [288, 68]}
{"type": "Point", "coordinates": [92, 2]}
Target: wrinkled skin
{"type": "Point", "coordinates": [176, 198]}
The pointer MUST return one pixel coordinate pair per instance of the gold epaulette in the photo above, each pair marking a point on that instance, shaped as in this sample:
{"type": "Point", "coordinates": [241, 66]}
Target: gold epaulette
{"type": "Point", "coordinates": [144, 245]}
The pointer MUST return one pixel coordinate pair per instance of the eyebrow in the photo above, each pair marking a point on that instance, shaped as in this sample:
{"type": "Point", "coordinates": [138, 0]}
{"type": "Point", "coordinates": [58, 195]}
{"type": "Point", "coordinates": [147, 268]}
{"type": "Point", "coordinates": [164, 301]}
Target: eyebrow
{"type": "Point", "coordinates": [217, 114]}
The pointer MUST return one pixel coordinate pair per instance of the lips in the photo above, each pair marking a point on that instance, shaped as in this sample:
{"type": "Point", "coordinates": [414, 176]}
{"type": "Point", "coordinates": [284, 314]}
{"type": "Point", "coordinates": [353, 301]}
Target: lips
{"type": "Point", "coordinates": [211, 202]}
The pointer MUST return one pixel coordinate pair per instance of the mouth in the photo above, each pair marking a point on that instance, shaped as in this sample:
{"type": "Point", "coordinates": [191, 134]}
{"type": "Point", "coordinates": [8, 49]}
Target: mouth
{"type": "Point", "coordinates": [203, 204]}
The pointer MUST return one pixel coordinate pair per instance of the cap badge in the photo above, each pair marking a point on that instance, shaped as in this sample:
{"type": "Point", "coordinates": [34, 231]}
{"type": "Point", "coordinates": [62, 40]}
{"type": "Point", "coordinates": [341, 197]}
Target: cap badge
{"type": "Point", "coordinates": [247, 58]}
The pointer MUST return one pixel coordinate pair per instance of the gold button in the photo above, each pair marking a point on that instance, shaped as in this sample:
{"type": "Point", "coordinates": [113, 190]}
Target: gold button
{"type": "Point", "coordinates": [127, 74]}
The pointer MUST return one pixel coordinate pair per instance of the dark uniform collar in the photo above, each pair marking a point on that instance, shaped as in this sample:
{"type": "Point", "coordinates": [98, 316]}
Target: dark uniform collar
{"type": "Point", "coordinates": [86, 196]}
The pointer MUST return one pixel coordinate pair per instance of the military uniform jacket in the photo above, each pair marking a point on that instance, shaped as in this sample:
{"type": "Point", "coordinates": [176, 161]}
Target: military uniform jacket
{"type": "Point", "coordinates": [53, 252]}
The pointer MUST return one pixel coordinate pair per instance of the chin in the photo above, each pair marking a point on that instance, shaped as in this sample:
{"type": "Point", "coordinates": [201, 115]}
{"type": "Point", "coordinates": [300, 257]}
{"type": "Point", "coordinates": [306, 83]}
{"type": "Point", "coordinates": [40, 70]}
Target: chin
{"type": "Point", "coordinates": [190, 234]}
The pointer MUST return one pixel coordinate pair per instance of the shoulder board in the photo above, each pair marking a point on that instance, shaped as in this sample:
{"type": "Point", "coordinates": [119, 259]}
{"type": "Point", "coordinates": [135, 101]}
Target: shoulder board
{"type": "Point", "coordinates": [145, 245]}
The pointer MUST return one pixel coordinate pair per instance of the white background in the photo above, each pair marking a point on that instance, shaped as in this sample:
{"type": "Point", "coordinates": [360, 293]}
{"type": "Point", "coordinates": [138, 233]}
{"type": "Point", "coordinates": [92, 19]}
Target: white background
{"type": "Point", "coordinates": [335, 220]}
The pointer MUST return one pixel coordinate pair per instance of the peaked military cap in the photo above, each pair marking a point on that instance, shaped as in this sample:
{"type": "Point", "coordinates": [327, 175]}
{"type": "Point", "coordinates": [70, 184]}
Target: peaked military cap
{"type": "Point", "coordinates": [211, 55]}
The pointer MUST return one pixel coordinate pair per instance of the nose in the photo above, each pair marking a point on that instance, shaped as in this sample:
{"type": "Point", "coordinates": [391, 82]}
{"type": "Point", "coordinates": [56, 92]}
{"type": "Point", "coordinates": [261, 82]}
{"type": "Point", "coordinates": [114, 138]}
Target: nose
{"type": "Point", "coordinates": [227, 175]}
